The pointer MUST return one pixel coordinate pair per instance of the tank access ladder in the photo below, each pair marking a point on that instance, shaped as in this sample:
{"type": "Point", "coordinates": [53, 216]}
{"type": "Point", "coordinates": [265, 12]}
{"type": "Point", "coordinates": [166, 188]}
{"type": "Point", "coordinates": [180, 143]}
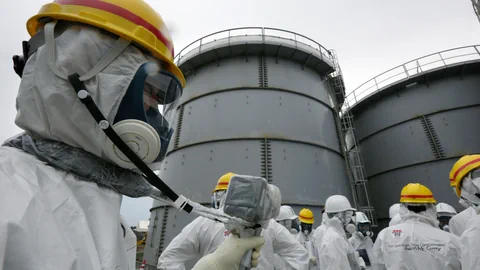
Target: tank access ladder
{"type": "Point", "coordinates": [349, 145]}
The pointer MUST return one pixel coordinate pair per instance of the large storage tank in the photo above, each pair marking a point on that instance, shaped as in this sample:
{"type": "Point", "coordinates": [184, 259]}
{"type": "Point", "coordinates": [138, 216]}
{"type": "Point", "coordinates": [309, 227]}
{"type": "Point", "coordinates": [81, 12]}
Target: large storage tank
{"type": "Point", "coordinates": [257, 102]}
{"type": "Point", "coordinates": [414, 121]}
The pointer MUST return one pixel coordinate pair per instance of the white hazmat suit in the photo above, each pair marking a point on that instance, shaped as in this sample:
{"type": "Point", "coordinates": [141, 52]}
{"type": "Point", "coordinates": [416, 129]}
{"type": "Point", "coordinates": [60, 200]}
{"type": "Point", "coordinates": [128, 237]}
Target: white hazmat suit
{"type": "Point", "coordinates": [335, 251]}
{"type": "Point", "coordinates": [308, 243]}
{"type": "Point", "coordinates": [360, 242]}
{"type": "Point", "coordinates": [202, 236]}
{"type": "Point", "coordinates": [130, 240]}
{"type": "Point", "coordinates": [416, 243]}
{"type": "Point", "coordinates": [395, 220]}
{"type": "Point", "coordinates": [50, 218]}
{"type": "Point", "coordinates": [458, 223]}
{"type": "Point", "coordinates": [471, 244]}
{"type": "Point", "coordinates": [318, 235]}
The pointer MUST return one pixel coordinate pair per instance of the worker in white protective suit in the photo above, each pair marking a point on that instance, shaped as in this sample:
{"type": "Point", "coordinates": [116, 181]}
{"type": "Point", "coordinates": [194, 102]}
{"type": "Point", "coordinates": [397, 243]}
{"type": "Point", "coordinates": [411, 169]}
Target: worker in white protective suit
{"type": "Point", "coordinates": [394, 214]}
{"type": "Point", "coordinates": [445, 212]}
{"type": "Point", "coordinates": [130, 242]}
{"type": "Point", "coordinates": [466, 177]}
{"type": "Point", "coordinates": [458, 223]}
{"type": "Point", "coordinates": [202, 237]}
{"type": "Point", "coordinates": [319, 233]}
{"type": "Point", "coordinates": [90, 66]}
{"type": "Point", "coordinates": [305, 237]}
{"type": "Point", "coordinates": [361, 239]}
{"type": "Point", "coordinates": [335, 251]}
{"type": "Point", "coordinates": [417, 242]}
{"type": "Point", "coordinates": [288, 219]}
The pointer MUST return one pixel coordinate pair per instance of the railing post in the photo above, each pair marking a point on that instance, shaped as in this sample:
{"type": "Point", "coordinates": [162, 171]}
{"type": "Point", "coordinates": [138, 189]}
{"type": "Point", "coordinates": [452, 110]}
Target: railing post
{"type": "Point", "coordinates": [228, 37]}
{"type": "Point", "coordinates": [419, 67]}
{"type": "Point", "coordinates": [200, 47]}
{"type": "Point", "coordinates": [406, 71]}
{"type": "Point", "coordinates": [440, 54]}
{"type": "Point", "coordinates": [375, 80]}
{"type": "Point", "coordinates": [476, 50]}
{"type": "Point", "coordinates": [263, 34]}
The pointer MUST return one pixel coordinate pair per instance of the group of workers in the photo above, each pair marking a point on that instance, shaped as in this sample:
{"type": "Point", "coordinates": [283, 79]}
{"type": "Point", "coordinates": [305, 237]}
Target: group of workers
{"type": "Point", "coordinates": [421, 234]}
{"type": "Point", "coordinates": [93, 78]}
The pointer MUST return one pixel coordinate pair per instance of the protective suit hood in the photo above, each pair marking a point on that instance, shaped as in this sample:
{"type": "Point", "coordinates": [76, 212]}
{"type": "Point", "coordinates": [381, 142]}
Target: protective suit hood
{"type": "Point", "coordinates": [47, 106]}
{"type": "Point", "coordinates": [395, 220]}
{"type": "Point", "coordinates": [324, 218]}
{"type": "Point", "coordinates": [429, 216]}
{"type": "Point", "coordinates": [337, 225]}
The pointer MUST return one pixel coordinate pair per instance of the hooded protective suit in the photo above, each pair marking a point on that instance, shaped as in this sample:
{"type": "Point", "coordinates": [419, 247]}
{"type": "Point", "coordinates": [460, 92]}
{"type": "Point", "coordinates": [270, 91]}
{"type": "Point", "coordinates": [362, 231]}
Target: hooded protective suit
{"type": "Point", "coordinates": [360, 242]}
{"type": "Point", "coordinates": [458, 223]}
{"type": "Point", "coordinates": [335, 252]}
{"type": "Point", "coordinates": [416, 243]}
{"type": "Point", "coordinates": [202, 236]}
{"type": "Point", "coordinates": [471, 244]}
{"type": "Point", "coordinates": [320, 230]}
{"type": "Point", "coordinates": [130, 240]}
{"type": "Point", "coordinates": [318, 235]}
{"type": "Point", "coordinates": [395, 220]}
{"type": "Point", "coordinates": [308, 242]}
{"type": "Point", "coordinates": [52, 218]}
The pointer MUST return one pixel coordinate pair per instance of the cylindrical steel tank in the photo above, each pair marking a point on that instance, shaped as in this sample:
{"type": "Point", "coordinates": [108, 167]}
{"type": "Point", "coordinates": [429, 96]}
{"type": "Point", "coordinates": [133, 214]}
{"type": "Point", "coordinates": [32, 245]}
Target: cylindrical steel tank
{"type": "Point", "coordinates": [257, 102]}
{"type": "Point", "coordinates": [414, 121]}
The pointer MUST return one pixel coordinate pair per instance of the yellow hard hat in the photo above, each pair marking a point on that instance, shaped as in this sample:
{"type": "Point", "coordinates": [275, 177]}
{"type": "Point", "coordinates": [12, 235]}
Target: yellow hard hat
{"type": "Point", "coordinates": [223, 181]}
{"type": "Point", "coordinates": [306, 216]}
{"type": "Point", "coordinates": [461, 168]}
{"type": "Point", "coordinates": [416, 193]}
{"type": "Point", "coordinates": [133, 20]}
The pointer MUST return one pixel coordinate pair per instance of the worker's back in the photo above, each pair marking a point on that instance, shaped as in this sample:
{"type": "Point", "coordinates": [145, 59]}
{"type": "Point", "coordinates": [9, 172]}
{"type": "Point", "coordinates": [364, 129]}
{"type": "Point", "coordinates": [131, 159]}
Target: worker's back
{"type": "Point", "coordinates": [416, 244]}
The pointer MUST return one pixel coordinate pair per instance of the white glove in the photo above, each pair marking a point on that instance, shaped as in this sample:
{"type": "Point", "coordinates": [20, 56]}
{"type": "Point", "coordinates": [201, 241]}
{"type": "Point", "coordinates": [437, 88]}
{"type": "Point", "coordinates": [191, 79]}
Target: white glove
{"type": "Point", "coordinates": [362, 263]}
{"type": "Point", "coordinates": [313, 261]}
{"type": "Point", "coordinates": [230, 253]}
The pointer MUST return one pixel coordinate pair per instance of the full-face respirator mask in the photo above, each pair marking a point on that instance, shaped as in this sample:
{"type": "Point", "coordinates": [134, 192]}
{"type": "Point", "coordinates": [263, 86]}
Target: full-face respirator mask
{"type": "Point", "coordinates": [365, 229]}
{"type": "Point", "coordinates": [306, 228]}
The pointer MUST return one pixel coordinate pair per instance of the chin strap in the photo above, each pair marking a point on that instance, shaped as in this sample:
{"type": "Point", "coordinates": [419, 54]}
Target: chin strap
{"type": "Point", "coordinates": [179, 201]}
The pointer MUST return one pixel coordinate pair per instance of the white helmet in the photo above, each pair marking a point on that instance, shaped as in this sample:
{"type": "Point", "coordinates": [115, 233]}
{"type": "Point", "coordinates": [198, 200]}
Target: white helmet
{"type": "Point", "coordinates": [360, 217]}
{"type": "Point", "coordinates": [394, 210]}
{"type": "Point", "coordinates": [337, 204]}
{"type": "Point", "coordinates": [445, 209]}
{"type": "Point", "coordinates": [362, 224]}
{"type": "Point", "coordinates": [286, 212]}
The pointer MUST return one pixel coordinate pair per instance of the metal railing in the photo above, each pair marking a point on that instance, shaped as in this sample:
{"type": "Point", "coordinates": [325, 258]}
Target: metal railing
{"type": "Point", "coordinates": [476, 8]}
{"type": "Point", "coordinates": [251, 31]}
{"type": "Point", "coordinates": [410, 69]}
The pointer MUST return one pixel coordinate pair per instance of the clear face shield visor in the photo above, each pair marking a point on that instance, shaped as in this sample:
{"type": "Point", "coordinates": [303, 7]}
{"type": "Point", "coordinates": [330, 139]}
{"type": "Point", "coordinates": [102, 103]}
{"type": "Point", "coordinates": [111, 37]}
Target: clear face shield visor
{"type": "Point", "coordinates": [470, 188]}
{"type": "Point", "coordinates": [290, 224]}
{"type": "Point", "coordinates": [364, 228]}
{"type": "Point", "coordinates": [150, 91]}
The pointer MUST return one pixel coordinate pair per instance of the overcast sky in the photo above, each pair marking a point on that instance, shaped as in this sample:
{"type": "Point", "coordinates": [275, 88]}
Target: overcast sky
{"type": "Point", "coordinates": [369, 36]}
